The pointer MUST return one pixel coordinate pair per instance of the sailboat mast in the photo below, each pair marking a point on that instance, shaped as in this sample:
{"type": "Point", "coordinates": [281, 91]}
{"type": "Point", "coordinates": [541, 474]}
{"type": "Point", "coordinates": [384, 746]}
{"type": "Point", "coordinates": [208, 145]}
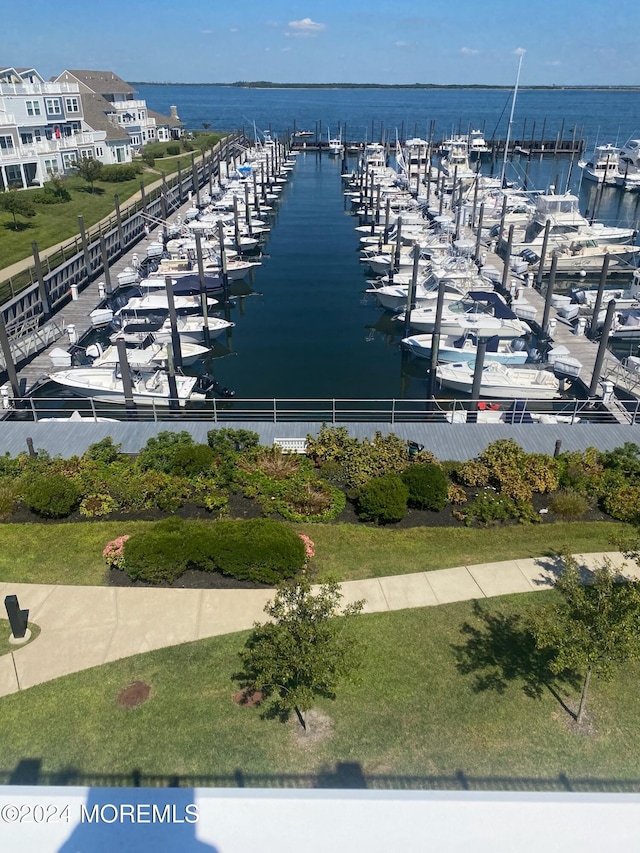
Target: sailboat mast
{"type": "Point", "coordinates": [513, 107]}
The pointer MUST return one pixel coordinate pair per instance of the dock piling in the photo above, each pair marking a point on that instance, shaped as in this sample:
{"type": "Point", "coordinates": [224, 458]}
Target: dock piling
{"type": "Point", "coordinates": [602, 348]}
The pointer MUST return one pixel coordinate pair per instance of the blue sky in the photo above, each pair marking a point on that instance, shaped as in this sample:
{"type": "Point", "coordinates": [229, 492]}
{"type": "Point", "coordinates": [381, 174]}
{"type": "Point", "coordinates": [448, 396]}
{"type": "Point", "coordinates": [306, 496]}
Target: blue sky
{"type": "Point", "coordinates": [568, 42]}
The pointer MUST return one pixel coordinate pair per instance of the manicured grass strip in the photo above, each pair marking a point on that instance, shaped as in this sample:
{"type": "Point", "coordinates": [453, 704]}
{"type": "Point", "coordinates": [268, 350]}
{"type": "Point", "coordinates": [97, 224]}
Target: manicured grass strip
{"type": "Point", "coordinates": [352, 552]}
{"type": "Point", "coordinates": [414, 721]}
{"type": "Point", "coordinates": [72, 553]}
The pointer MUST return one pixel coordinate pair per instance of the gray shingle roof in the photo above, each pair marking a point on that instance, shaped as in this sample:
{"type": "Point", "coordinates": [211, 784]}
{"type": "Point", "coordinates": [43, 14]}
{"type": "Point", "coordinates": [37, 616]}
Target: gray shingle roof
{"type": "Point", "coordinates": [160, 119]}
{"type": "Point", "coordinates": [103, 82]}
{"type": "Point", "coordinates": [95, 108]}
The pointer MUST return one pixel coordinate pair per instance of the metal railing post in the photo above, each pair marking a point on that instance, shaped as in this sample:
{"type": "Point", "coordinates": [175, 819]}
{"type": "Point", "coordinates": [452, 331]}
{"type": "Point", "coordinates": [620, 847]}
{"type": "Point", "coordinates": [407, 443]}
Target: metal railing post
{"type": "Point", "coordinates": [93, 409]}
{"type": "Point", "coordinates": [393, 410]}
{"type": "Point", "coordinates": [275, 411]}
{"type": "Point", "coordinates": [33, 410]}
{"type": "Point", "coordinates": [575, 412]}
{"type": "Point", "coordinates": [333, 410]}
{"type": "Point", "coordinates": [215, 410]}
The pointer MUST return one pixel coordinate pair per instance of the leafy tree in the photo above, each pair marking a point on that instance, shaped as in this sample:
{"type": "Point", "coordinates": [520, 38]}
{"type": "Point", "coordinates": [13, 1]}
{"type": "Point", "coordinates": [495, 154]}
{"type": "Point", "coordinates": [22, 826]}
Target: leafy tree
{"type": "Point", "coordinates": [16, 204]}
{"type": "Point", "coordinates": [305, 652]}
{"type": "Point", "coordinates": [89, 169]}
{"type": "Point", "coordinates": [595, 626]}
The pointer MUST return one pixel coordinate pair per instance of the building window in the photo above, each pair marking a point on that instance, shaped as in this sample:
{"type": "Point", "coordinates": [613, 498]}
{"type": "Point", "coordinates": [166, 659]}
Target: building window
{"type": "Point", "coordinates": [72, 105]}
{"type": "Point", "coordinates": [6, 143]}
{"type": "Point", "coordinates": [27, 138]}
{"type": "Point", "coordinates": [86, 155]}
{"type": "Point", "coordinates": [14, 175]}
{"type": "Point", "coordinates": [69, 158]}
{"type": "Point", "coordinates": [33, 108]}
{"type": "Point", "coordinates": [52, 106]}
{"type": "Point", "coordinates": [99, 152]}
{"type": "Point", "coordinates": [51, 167]}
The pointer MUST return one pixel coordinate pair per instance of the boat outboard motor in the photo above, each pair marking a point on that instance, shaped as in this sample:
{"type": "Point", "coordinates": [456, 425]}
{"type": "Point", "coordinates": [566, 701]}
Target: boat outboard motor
{"type": "Point", "coordinates": [206, 383]}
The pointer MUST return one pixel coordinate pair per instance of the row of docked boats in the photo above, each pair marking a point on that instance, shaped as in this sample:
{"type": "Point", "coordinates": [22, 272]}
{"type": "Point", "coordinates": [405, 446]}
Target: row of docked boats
{"type": "Point", "coordinates": [203, 251]}
{"type": "Point", "coordinates": [614, 166]}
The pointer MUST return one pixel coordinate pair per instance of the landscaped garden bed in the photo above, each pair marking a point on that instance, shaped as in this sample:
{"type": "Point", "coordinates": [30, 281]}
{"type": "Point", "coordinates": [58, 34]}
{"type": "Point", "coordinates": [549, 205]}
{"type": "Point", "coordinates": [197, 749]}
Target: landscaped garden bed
{"type": "Point", "coordinates": [377, 488]}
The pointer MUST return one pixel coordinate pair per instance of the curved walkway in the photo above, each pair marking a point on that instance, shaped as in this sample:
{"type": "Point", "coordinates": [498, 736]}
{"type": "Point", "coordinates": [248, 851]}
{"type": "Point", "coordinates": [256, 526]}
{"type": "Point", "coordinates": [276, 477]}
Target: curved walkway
{"type": "Point", "coordinates": [85, 626]}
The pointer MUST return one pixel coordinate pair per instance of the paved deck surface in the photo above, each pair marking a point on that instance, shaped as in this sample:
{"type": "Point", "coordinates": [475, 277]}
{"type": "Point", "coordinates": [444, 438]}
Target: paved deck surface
{"type": "Point", "coordinates": [83, 626]}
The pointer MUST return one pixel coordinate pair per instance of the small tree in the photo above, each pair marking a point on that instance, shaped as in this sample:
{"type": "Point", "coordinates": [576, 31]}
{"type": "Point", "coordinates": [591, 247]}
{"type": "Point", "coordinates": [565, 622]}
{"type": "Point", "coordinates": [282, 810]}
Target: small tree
{"type": "Point", "coordinates": [305, 652]}
{"type": "Point", "coordinates": [16, 204]}
{"type": "Point", "coordinates": [89, 169]}
{"type": "Point", "coordinates": [594, 628]}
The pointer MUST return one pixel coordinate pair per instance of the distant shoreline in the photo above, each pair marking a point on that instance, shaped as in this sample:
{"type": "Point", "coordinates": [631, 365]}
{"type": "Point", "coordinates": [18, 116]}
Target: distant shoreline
{"type": "Point", "coordinates": [268, 85]}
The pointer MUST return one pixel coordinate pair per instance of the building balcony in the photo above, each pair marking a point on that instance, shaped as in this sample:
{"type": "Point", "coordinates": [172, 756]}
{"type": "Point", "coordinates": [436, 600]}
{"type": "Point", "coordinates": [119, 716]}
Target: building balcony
{"type": "Point", "coordinates": [7, 120]}
{"type": "Point", "coordinates": [39, 89]}
{"type": "Point", "coordinates": [51, 146]}
{"type": "Point", "coordinates": [127, 106]}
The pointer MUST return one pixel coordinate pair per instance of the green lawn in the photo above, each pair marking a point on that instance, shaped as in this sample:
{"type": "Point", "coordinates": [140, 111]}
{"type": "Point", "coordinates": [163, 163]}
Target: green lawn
{"type": "Point", "coordinates": [5, 633]}
{"type": "Point", "coordinates": [415, 720]}
{"type": "Point", "coordinates": [71, 553]}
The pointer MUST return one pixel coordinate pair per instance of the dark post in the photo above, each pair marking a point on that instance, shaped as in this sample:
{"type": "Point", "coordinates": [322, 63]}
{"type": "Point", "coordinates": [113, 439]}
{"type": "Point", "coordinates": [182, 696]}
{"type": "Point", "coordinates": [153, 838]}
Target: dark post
{"type": "Point", "coordinates": [42, 288]}
{"type": "Point", "coordinates": [477, 373]}
{"type": "Point", "coordinates": [174, 401]}
{"type": "Point", "coordinates": [387, 218]}
{"type": "Point", "coordinates": [32, 451]}
{"type": "Point", "coordinates": [116, 202]}
{"type": "Point", "coordinates": [164, 205]}
{"type": "Point", "coordinates": [543, 254]}
{"type": "Point", "coordinates": [556, 449]}
{"type": "Point", "coordinates": [547, 299]}
{"type": "Point", "coordinates": [8, 357]}
{"type": "Point", "coordinates": [18, 619]}
{"type": "Point", "coordinates": [127, 384]}
{"type": "Point", "coordinates": [143, 196]}
{"type": "Point", "coordinates": [85, 246]}
{"type": "Point", "coordinates": [194, 178]}
{"type": "Point", "coordinates": [602, 347]}
{"type": "Point", "coordinates": [203, 284]}
{"type": "Point", "coordinates": [396, 256]}
{"type": "Point", "coordinates": [411, 294]}
{"type": "Point", "coordinates": [475, 197]}
{"type": "Point", "coordinates": [247, 210]}
{"type": "Point", "coordinates": [435, 337]}
{"type": "Point", "coordinates": [507, 258]}
{"type": "Point", "coordinates": [173, 319]}
{"type": "Point", "coordinates": [223, 261]}
{"type": "Point", "coordinates": [256, 194]}
{"type": "Point", "coordinates": [377, 217]}
{"type": "Point", "coordinates": [599, 295]}
{"type": "Point", "coordinates": [236, 223]}
{"type": "Point", "coordinates": [105, 266]}
{"type": "Point", "coordinates": [479, 234]}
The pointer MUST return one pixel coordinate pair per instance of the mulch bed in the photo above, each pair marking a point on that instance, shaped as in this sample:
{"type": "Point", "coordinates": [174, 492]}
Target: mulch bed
{"type": "Point", "coordinates": [133, 695]}
{"type": "Point", "coordinates": [191, 579]}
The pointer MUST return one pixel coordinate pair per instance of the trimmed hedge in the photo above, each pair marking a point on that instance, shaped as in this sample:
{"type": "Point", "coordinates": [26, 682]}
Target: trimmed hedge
{"type": "Point", "coordinates": [383, 499]}
{"type": "Point", "coordinates": [257, 550]}
{"type": "Point", "coordinates": [51, 495]}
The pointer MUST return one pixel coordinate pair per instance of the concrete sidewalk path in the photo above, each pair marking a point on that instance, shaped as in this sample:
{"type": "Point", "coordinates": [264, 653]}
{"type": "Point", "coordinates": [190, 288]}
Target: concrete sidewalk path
{"type": "Point", "coordinates": [84, 626]}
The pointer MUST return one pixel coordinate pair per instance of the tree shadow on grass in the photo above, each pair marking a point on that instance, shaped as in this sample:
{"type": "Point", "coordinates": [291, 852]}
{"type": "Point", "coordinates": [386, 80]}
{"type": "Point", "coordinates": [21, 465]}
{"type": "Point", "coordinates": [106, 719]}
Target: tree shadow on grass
{"type": "Point", "coordinates": [17, 227]}
{"type": "Point", "coordinates": [87, 189]}
{"type": "Point", "coordinates": [502, 650]}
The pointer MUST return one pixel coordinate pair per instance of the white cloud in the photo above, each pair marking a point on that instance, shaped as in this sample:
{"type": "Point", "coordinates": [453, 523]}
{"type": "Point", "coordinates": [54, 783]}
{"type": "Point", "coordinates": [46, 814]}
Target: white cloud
{"type": "Point", "coordinates": [305, 27]}
{"type": "Point", "coordinates": [554, 63]}
{"type": "Point", "coordinates": [400, 44]}
{"type": "Point", "coordinates": [469, 51]}
{"type": "Point", "coordinates": [519, 51]}
{"type": "Point", "coordinates": [234, 30]}
{"type": "Point", "coordinates": [285, 49]}
{"type": "Point", "coordinates": [206, 32]}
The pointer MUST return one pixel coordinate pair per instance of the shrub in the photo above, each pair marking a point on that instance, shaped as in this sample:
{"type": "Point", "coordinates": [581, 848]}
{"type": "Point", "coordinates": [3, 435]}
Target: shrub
{"type": "Point", "coordinates": [103, 451]}
{"type": "Point", "coordinates": [148, 159]}
{"type": "Point", "coordinates": [114, 553]}
{"type": "Point", "coordinates": [541, 472]}
{"type": "Point", "coordinates": [310, 501]}
{"type": "Point", "coordinates": [383, 499]}
{"type": "Point", "coordinates": [120, 172]}
{"type": "Point", "coordinates": [93, 506]}
{"type": "Point", "coordinates": [456, 494]}
{"type": "Point", "coordinates": [428, 486]}
{"type": "Point", "coordinates": [225, 442]}
{"type": "Point", "coordinates": [192, 459]}
{"type": "Point", "coordinates": [488, 508]}
{"type": "Point", "coordinates": [9, 496]}
{"type": "Point", "coordinates": [257, 550]}
{"type": "Point", "coordinates": [569, 504]}
{"type": "Point", "coordinates": [51, 495]}
{"type": "Point", "coordinates": [172, 150]}
{"type": "Point", "coordinates": [625, 459]}
{"type": "Point", "coordinates": [473, 473]}
{"type": "Point", "coordinates": [623, 503]}
{"type": "Point", "coordinates": [53, 192]}
{"type": "Point", "coordinates": [159, 453]}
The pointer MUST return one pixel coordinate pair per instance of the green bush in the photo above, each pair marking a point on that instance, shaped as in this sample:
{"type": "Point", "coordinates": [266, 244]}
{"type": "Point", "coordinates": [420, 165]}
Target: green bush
{"type": "Point", "coordinates": [310, 500]}
{"type": "Point", "coordinates": [159, 453]}
{"type": "Point", "coordinates": [225, 442]}
{"type": "Point", "coordinates": [383, 499]}
{"type": "Point", "coordinates": [51, 495]}
{"type": "Point", "coordinates": [428, 486]}
{"type": "Point", "coordinates": [569, 504]}
{"type": "Point", "coordinates": [53, 192]}
{"type": "Point", "coordinates": [189, 460]}
{"type": "Point", "coordinates": [120, 172]}
{"type": "Point", "coordinates": [103, 451]}
{"type": "Point", "coordinates": [9, 497]}
{"type": "Point", "coordinates": [148, 159]}
{"type": "Point", "coordinates": [489, 508]}
{"type": "Point", "coordinates": [623, 503]}
{"type": "Point", "coordinates": [172, 150]}
{"type": "Point", "coordinates": [257, 550]}
{"type": "Point", "coordinates": [94, 506]}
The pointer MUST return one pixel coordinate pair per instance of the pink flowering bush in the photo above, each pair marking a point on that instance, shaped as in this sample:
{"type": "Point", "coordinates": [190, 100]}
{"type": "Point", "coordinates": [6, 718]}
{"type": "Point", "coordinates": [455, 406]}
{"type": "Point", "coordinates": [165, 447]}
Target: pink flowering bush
{"type": "Point", "coordinates": [309, 547]}
{"type": "Point", "coordinates": [114, 552]}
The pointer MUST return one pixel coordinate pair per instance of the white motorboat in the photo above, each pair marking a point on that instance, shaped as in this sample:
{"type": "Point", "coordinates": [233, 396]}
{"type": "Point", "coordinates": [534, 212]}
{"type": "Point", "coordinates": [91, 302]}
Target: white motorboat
{"type": "Point", "coordinates": [602, 166]}
{"type": "Point", "coordinates": [500, 382]}
{"type": "Point", "coordinates": [393, 297]}
{"type": "Point", "coordinates": [472, 316]}
{"type": "Point", "coordinates": [104, 384]}
{"type": "Point", "coordinates": [190, 328]}
{"type": "Point", "coordinates": [456, 161]}
{"type": "Point", "coordinates": [76, 417]}
{"type": "Point", "coordinates": [336, 148]}
{"type": "Point", "coordinates": [157, 301]}
{"type": "Point", "coordinates": [465, 348]}
{"type": "Point", "coordinates": [477, 144]}
{"type": "Point", "coordinates": [148, 358]}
